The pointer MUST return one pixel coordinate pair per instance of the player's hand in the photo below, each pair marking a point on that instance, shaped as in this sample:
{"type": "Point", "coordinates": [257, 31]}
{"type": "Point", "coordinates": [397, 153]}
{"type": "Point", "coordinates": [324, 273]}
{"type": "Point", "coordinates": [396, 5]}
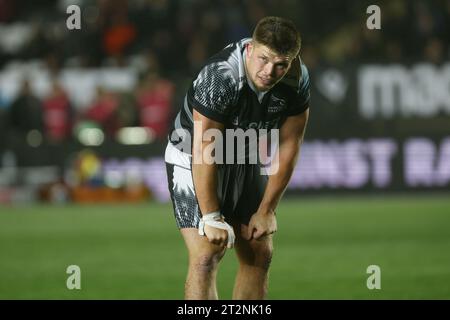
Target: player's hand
{"type": "Point", "coordinates": [216, 236]}
{"type": "Point", "coordinates": [261, 224]}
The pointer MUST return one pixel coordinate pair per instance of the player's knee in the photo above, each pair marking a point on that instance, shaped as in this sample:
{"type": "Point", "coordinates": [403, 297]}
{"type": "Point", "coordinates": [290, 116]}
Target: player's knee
{"type": "Point", "coordinates": [257, 256]}
{"type": "Point", "coordinates": [263, 257]}
{"type": "Point", "coordinates": [207, 262]}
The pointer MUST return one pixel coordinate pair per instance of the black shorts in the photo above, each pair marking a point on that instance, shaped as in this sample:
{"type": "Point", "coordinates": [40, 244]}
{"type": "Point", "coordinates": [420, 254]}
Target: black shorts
{"type": "Point", "coordinates": [240, 190]}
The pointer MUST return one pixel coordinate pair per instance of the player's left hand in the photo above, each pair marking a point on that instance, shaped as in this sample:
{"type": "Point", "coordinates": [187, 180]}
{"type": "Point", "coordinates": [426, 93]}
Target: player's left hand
{"type": "Point", "coordinates": [261, 224]}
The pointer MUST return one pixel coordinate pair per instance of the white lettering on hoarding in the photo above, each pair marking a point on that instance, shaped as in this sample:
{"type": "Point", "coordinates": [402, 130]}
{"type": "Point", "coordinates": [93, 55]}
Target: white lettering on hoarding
{"type": "Point", "coordinates": [389, 91]}
{"type": "Point", "coordinates": [350, 164]}
{"type": "Point", "coordinates": [427, 164]}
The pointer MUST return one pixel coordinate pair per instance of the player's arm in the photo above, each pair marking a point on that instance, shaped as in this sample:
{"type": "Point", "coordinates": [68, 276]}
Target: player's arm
{"type": "Point", "coordinates": [204, 174]}
{"type": "Point", "coordinates": [291, 137]}
{"type": "Point", "coordinates": [263, 222]}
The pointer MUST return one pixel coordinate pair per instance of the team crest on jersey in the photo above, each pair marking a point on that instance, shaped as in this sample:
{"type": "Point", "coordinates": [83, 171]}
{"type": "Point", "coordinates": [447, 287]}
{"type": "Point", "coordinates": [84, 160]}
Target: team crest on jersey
{"type": "Point", "coordinates": [276, 104]}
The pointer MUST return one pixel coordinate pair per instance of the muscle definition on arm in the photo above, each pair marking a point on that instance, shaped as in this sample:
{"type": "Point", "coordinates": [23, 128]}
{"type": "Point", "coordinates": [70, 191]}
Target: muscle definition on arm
{"type": "Point", "coordinates": [291, 137]}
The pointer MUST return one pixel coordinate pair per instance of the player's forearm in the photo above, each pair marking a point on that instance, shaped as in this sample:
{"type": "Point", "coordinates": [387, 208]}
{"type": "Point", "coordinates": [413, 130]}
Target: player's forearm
{"type": "Point", "coordinates": [205, 182]}
{"type": "Point", "coordinates": [204, 169]}
{"type": "Point", "coordinates": [278, 182]}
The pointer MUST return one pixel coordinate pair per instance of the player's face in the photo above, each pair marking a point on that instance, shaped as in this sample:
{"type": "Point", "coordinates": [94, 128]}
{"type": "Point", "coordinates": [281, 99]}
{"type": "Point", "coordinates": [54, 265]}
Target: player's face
{"type": "Point", "coordinates": [265, 67]}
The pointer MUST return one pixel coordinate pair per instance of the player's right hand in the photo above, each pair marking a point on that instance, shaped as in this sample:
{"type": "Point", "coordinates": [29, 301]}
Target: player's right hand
{"type": "Point", "coordinates": [216, 236]}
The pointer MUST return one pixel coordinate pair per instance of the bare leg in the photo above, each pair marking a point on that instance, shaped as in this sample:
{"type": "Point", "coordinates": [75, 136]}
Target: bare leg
{"type": "Point", "coordinates": [254, 262]}
{"type": "Point", "coordinates": [204, 258]}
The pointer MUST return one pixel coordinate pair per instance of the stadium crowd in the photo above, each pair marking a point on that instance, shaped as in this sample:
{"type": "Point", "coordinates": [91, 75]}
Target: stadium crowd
{"type": "Point", "coordinates": [168, 40]}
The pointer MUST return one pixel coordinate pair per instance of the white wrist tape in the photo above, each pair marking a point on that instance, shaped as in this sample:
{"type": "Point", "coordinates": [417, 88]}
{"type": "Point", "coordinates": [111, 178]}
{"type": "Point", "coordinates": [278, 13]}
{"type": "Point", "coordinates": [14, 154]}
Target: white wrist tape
{"type": "Point", "coordinates": [213, 219]}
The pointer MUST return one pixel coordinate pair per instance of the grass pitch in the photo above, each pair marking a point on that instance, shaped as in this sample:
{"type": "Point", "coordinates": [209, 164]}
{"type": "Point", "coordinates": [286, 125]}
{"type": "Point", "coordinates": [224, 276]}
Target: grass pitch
{"type": "Point", "coordinates": [322, 250]}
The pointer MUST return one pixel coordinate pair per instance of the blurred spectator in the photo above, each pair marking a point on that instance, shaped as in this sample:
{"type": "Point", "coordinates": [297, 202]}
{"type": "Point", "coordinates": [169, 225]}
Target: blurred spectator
{"type": "Point", "coordinates": [103, 111]}
{"type": "Point", "coordinates": [119, 36]}
{"type": "Point", "coordinates": [127, 112]}
{"type": "Point", "coordinates": [172, 39]}
{"type": "Point", "coordinates": [154, 98]}
{"type": "Point", "coordinates": [182, 33]}
{"type": "Point", "coordinates": [25, 113]}
{"type": "Point", "coordinates": [57, 114]}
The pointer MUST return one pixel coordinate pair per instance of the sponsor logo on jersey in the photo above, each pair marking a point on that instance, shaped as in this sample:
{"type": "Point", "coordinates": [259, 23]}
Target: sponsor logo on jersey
{"type": "Point", "coordinates": [276, 104]}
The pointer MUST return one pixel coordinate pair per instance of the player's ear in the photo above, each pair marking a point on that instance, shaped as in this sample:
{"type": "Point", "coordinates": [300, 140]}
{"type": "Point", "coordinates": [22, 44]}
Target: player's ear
{"type": "Point", "coordinates": [250, 47]}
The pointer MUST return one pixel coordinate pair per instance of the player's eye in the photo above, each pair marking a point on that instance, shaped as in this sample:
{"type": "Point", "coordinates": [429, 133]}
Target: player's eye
{"type": "Point", "coordinates": [263, 59]}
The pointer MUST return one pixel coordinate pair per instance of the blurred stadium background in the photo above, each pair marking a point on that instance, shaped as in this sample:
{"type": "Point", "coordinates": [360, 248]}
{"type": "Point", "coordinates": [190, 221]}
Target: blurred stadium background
{"type": "Point", "coordinates": [83, 120]}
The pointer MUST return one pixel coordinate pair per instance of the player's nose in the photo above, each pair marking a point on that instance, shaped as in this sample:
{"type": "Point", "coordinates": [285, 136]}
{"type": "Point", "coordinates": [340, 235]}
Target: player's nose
{"type": "Point", "coordinates": [268, 70]}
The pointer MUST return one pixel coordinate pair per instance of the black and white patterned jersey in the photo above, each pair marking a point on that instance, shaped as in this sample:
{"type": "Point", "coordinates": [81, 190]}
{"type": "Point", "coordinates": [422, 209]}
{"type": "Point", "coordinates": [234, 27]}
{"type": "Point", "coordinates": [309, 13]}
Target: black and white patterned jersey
{"type": "Point", "coordinates": [222, 92]}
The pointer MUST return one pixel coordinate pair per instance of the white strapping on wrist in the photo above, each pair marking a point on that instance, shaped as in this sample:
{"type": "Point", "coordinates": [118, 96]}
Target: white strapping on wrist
{"type": "Point", "coordinates": [213, 219]}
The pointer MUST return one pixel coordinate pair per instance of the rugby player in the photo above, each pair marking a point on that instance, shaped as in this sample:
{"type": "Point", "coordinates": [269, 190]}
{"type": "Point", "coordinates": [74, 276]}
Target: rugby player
{"type": "Point", "coordinates": [255, 83]}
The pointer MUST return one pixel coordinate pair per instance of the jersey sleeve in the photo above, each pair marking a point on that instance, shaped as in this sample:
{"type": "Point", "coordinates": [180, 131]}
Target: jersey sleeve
{"type": "Point", "coordinates": [299, 101]}
{"type": "Point", "coordinates": [213, 92]}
